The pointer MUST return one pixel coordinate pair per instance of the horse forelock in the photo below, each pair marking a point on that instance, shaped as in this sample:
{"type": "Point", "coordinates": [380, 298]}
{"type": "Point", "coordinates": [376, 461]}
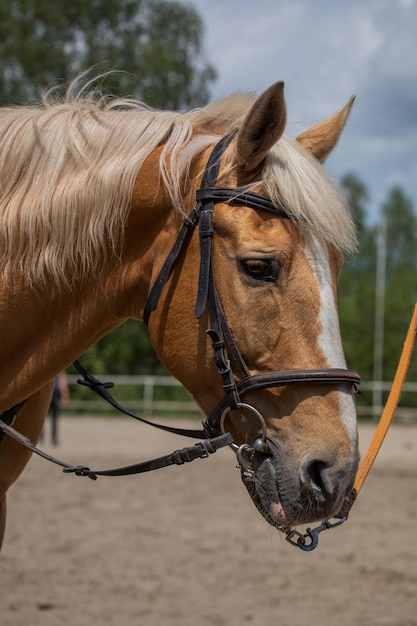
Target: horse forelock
{"type": "Point", "coordinates": [68, 169]}
{"type": "Point", "coordinates": [295, 178]}
{"type": "Point", "coordinates": [291, 176]}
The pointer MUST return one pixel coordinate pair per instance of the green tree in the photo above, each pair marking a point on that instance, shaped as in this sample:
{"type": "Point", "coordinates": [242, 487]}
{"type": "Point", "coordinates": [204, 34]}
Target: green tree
{"type": "Point", "coordinates": [156, 45]}
{"type": "Point", "coordinates": [357, 286]}
{"type": "Point", "coordinates": [401, 276]}
{"type": "Point", "coordinates": [126, 350]}
{"type": "Point", "coordinates": [356, 292]}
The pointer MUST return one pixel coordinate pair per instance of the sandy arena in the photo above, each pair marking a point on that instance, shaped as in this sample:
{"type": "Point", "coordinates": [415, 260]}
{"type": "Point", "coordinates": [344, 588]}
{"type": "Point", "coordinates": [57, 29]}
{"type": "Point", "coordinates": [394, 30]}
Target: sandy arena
{"type": "Point", "coordinates": [184, 546]}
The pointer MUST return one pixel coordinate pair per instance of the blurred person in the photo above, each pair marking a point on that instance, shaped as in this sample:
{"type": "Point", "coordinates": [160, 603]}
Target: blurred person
{"type": "Point", "coordinates": [60, 396]}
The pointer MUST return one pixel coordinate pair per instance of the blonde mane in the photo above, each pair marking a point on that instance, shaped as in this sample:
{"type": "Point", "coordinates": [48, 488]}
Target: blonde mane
{"type": "Point", "coordinates": [67, 171]}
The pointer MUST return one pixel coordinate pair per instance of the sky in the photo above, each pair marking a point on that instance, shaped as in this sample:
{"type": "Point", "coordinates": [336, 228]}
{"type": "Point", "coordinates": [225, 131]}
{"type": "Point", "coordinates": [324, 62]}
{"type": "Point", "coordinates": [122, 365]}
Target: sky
{"type": "Point", "coordinates": [325, 51]}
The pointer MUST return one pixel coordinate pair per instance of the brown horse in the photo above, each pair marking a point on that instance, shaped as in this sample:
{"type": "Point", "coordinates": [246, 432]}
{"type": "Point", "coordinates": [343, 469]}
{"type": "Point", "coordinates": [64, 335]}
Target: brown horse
{"type": "Point", "coordinates": [93, 194]}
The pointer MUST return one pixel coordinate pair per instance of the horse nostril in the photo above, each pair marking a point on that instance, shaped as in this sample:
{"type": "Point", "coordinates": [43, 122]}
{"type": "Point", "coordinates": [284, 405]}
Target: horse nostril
{"type": "Point", "coordinates": [314, 475]}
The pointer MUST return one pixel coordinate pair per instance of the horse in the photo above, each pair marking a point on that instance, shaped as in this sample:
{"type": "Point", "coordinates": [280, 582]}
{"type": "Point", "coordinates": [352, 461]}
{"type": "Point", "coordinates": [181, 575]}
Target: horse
{"type": "Point", "coordinates": [94, 193]}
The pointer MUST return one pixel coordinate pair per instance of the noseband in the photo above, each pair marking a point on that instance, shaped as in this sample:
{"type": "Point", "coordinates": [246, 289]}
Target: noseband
{"type": "Point", "coordinates": [226, 352]}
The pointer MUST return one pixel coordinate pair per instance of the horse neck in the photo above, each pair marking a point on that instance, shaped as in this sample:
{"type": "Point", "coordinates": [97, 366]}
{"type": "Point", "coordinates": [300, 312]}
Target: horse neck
{"type": "Point", "coordinates": [48, 332]}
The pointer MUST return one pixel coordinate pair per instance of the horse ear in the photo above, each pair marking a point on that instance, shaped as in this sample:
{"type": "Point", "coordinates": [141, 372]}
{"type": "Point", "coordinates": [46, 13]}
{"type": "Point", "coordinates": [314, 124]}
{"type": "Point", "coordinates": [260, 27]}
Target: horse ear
{"type": "Point", "coordinates": [321, 138]}
{"type": "Point", "coordinates": [263, 126]}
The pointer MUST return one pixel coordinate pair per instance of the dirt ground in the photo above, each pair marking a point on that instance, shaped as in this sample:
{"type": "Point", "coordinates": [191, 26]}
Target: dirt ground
{"type": "Point", "coordinates": [184, 546]}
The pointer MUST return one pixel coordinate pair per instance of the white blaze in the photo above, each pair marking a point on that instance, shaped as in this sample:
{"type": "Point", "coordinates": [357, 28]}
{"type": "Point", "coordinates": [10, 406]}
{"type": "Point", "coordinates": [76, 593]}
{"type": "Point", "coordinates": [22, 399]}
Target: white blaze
{"type": "Point", "coordinates": [329, 339]}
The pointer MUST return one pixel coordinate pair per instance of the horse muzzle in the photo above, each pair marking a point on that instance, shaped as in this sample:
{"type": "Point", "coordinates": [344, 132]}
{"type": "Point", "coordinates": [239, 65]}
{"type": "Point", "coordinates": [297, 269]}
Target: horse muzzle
{"type": "Point", "coordinates": [287, 493]}
{"type": "Point", "coordinates": [288, 487]}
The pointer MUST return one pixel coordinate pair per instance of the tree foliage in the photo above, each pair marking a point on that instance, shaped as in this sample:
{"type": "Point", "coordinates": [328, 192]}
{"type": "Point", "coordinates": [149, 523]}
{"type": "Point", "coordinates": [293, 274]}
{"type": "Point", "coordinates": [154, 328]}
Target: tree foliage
{"type": "Point", "coordinates": [156, 46]}
{"type": "Point", "coordinates": [401, 275]}
{"type": "Point", "coordinates": [357, 287]}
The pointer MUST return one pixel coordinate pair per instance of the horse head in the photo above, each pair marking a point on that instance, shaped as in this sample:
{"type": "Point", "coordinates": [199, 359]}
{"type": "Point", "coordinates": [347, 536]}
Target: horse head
{"type": "Point", "coordinates": [240, 296]}
{"type": "Point", "coordinates": [272, 278]}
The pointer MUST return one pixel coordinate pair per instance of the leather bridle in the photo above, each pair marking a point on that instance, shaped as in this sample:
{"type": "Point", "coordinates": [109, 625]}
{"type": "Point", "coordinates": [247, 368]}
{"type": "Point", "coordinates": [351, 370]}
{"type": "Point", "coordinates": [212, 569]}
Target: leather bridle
{"type": "Point", "coordinates": [227, 355]}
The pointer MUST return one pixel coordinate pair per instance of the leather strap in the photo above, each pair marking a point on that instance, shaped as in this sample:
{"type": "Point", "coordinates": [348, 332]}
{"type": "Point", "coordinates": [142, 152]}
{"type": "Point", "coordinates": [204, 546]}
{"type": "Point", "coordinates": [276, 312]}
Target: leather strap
{"type": "Point", "coordinates": [234, 352]}
{"type": "Point", "coordinates": [241, 197]}
{"type": "Point", "coordinates": [331, 376]}
{"type": "Point", "coordinates": [183, 236]}
{"type": "Point", "coordinates": [212, 168]}
{"type": "Point", "coordinates": [209, 179]}
{"type": "Point", "coordinates": [101, 389]}
{"type": "Point", "coordinates": [206, 233]}
{"type": "Point", "coordinates": [200, 450]}
{"type": "Point", "coordinates": [9, 416]}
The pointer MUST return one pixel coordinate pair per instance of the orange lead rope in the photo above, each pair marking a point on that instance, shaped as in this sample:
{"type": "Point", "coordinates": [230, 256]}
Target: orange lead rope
{"type": "Point", "coordinates": [390, 406]}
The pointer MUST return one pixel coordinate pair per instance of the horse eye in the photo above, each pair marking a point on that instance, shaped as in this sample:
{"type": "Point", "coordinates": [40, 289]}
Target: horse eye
{"type": "Point", "coordinates": [261, 269]}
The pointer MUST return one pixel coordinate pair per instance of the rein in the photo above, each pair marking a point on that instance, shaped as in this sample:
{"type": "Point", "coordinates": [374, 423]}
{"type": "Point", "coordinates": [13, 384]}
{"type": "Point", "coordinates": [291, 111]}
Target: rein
{"type": "Point", "coordinates": [200, 450]}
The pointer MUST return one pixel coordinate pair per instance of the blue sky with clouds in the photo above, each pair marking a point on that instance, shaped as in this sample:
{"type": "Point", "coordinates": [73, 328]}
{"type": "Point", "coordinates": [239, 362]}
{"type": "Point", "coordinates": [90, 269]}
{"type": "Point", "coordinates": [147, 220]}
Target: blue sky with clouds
{"type": "Point", "coordinates": [325, 51]}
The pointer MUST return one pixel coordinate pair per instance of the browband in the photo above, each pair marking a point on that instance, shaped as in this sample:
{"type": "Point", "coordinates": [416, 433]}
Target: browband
{"type": "Point", "coordinates": [241, 197]}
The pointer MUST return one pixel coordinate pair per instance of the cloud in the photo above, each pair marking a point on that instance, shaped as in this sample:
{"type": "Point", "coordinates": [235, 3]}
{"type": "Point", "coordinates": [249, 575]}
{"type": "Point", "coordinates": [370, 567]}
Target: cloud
{"type": "Point", "coordinates": [325, 51]}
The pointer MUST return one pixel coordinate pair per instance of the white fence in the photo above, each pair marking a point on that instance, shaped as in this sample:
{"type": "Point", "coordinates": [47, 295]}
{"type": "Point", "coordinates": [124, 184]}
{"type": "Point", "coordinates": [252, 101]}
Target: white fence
{"type": "Point", "coordinates": [403, 413]}
{"type": "Point", "coordinates": [147, 405]}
